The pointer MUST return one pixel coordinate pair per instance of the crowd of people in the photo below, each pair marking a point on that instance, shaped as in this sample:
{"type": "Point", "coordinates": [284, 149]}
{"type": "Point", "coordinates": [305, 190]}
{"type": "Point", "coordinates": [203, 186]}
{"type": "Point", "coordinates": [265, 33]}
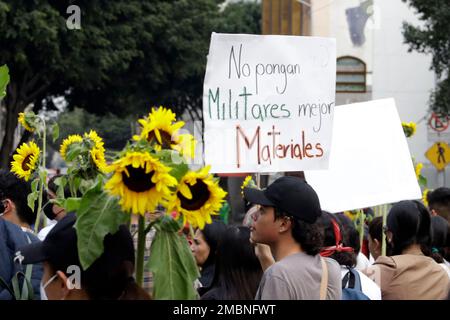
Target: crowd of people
{"type": "Point", "coordinates": [286, 248]}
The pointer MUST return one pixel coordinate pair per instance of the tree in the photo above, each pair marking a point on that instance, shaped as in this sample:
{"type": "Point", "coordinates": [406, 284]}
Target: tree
{"type": "Point", "coordinates": [114, 130]}
{"type": "Point", "coordinates": [433, 38]}
{"type": "Point", "coordinates": [126, 55]}
{"type": "Point", "coordinates": [240, 17]}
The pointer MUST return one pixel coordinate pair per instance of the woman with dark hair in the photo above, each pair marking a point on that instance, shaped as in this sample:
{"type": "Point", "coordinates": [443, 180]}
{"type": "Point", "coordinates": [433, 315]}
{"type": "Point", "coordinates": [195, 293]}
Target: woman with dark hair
{"type": "Point", "coordinates": [375, 237]}
{"type": "Point", "coordinates": [204, 246]}
{"type": "Point", "coordinates": [337, 246]}
{"type": "Point", "coordinates": [353, 240]}
{"type": "Point", "coordinates": [440, 240]}
{"type": "Point", "coordinates": [406, 273]}
{"type": "Point", "coordinates": [238, 271]}
{"type": "Point", "coordinates": [110, 277]}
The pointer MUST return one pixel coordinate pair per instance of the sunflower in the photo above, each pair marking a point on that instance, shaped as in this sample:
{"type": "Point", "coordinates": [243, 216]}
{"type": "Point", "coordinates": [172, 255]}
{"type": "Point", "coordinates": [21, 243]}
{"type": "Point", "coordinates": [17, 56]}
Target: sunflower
{"type": "Point", "coordinates": [24, 123]}
{"type": "Point", "coordinates": [161, 130]}
{"type": "Point", "coordinates": [141, 182]}
{"type": "Point", "coordinates": [75, 138]}
{"type": "Point", "coordinates": [418, 169]}
{"type": "Point", "coordinates": [25, 160]}
{"type": "Point", "coordinates": [425, 197]}
{"type": "Point", "coordinates": [98, 157]}
{"type": "Point", "coordinates": [409, 128]}
{"type": "Point", "coordinates": [198, 196]}
{"type": "Point", "coordinates": [94, 137]}
{"type": "Point", "coordinates": [248, 182]}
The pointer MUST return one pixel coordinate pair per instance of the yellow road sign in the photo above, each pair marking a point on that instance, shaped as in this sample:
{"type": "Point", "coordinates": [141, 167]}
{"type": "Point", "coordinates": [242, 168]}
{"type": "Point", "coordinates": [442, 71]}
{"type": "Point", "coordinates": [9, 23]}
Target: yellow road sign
{"type": "Point", "coordinates": [439, 155]}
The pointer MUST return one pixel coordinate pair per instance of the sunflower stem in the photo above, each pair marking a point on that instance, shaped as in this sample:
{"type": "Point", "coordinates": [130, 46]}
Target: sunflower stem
{"type": "Point", "coordinates": [383, 236]}
{"type": "Point", "coordinates": [140, 251]}
{"type": "Point", "coordinates": [361, 230]}
{"type": "Point", "coordinates": [41, 178]}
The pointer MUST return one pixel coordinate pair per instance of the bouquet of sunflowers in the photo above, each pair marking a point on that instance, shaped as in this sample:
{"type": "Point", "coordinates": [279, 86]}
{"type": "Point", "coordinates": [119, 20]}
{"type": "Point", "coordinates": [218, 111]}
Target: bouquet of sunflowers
{"type": "Point", "coordinates": [152, 172]}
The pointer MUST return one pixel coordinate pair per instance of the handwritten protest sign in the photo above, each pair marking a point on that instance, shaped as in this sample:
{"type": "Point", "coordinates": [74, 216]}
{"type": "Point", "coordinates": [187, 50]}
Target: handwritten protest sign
{"type": "Point", "coordinates": [370, 162]}
{"type": "Point", "coordinates": [268, 103]}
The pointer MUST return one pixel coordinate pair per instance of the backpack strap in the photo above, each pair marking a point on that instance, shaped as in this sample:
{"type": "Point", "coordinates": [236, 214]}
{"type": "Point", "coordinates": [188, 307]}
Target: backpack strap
{"type": "Point", "coordinates": [324, 280]}
{"type": "Point", "coordinates": [353, 280]}
{"type": "Point", "coordinates": [357, 284]}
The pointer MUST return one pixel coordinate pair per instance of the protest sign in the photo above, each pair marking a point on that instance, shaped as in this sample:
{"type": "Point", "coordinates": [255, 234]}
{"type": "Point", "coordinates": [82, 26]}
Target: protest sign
{"type": "Point", "coordinates": [370, 162]}
{"type": "Point", "coordinates": [268, 103]}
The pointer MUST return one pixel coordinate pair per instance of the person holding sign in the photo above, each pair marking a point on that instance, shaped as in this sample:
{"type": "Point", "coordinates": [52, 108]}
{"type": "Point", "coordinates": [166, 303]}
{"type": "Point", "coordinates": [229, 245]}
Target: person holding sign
{"type": "Point", "coordinates": [288, 210]}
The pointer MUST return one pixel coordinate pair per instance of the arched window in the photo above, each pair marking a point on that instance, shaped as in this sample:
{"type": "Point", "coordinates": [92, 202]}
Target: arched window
{"type": "Point", "coordinates": [350, 75]}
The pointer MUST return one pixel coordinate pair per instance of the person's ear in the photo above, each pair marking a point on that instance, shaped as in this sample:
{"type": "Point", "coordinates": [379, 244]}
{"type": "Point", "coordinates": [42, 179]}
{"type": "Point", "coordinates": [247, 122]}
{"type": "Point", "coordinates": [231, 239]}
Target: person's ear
{"type": "Point", "coordinates": [377, 245]}
{"type": "Point", "coordinates": [8, 206]}
{"type": "Point", "coordinates": [389, 236]}
{"type": "Point", "coordinates": [285, 224]}
{"type": "Point", "coordinates": [65, 290]}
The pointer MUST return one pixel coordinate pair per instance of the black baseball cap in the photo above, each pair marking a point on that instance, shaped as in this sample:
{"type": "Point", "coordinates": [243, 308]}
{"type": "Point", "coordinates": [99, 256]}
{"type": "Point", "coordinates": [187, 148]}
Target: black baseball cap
{"type": "Point", "coordinates": [60, 247]}
{"type": "Point", "coordinates": [291, 195]}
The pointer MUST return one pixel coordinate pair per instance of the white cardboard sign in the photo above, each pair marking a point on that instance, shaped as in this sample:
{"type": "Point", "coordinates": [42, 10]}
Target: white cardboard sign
{"type": "Point", "coordinates": [268, 103]}
{"type": "Point", "coordinates": [370, 162]}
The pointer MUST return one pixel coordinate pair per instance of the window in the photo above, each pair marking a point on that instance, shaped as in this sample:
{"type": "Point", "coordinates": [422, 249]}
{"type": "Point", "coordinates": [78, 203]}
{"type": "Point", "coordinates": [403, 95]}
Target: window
{"type": "Point", "coordinates": [351, 75]}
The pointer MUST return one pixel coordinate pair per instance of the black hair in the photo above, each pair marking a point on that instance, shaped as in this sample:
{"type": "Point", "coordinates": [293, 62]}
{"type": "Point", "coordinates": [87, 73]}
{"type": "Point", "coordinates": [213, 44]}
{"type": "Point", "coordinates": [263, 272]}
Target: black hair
{"type": "Point", "coordinates": [308, 235]}
{"type": "Point", "coordinates": [440, 228]}
{"type": "Point", "coordinates": [212, 233]}
{"type": "Point", "coordinates": [237, 271]}
{"type": "Point", "coordinates": [376, 229]}
{"type": "Point", "coordinates": [110, 277]}
{"type": "Point", "coordinates": [439, 200]}
{"type": "Point", "coordinates": [54, 188]}
{"type": "Point", "coordinates": [17, 190]}
{"type": "Point", "coordinates": [343, 258]}
{"type": "Point", "coordinates": [349, 229]}
{"type": "Point", "coordinates": [410, 223]}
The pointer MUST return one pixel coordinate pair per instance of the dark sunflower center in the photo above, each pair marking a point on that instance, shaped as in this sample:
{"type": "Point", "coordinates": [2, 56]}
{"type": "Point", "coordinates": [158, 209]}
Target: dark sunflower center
{"type": "Point", "coordinates": [200, 194]}
{"type": "Point", "coordinates": [26, 163]}
{"type": "Point", "coordinates": [166, 139]}
{"type": "Point", "coordinates": [138, 181]}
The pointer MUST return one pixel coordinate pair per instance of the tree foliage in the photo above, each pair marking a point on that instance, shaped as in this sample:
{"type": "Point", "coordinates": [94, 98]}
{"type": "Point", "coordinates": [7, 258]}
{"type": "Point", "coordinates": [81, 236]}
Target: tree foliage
{"type": "Point", "coordinates": [240, 17]}
{"type": "Point", "coordinates": [128, 55]}
{"type": "Point", "coordinates": [433, 38]}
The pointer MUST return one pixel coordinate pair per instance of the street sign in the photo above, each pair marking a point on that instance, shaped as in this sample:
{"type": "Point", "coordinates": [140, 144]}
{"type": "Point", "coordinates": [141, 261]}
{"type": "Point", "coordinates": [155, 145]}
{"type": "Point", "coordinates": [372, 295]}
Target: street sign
{"type": "Point", "coordinates": [439, 155]}
{"type": "Point", "coordinates": [438, 128]}
{"type": "Point", "coordinates": [438, 123]}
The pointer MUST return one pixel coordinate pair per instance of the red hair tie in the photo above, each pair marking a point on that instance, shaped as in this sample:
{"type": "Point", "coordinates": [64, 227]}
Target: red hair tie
{"type": "Point", "coordinates": [328, 251]}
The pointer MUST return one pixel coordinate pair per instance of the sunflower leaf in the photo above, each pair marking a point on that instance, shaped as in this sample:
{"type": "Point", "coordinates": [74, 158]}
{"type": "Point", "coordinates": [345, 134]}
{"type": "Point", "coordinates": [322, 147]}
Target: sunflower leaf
{"type": "Point", "coordinates": [72, 204]}
{"type": "Point", "coordinates": [172, 264]}
{"type": "Point", "coordinates": [4, 80]}
{"type": "Point", "coordinates": [31, 199]}
{"type": "Point", "coordinates": [73, 151]}
{"type": "Point", "coordinates": [98, 214]}
{"type": "Point", "coordinates": [61, 182]}
{"type": "Point", "coordinates": [422, 181]}
{"type": "Point", "coordinates": [55, 131]}
{"type": "Point", "coordinates": [34, 185]}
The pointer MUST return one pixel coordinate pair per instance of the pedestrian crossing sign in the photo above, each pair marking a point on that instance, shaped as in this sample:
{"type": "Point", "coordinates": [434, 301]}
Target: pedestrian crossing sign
{"type": "Point", "coordinates": [439, 155]}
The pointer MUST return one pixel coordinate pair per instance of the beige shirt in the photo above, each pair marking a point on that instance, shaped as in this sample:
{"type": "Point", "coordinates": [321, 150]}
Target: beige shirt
{"type": "Point", "coordinates": [409, 277]}
{"type": "Point", "coordinates": [298, 277]}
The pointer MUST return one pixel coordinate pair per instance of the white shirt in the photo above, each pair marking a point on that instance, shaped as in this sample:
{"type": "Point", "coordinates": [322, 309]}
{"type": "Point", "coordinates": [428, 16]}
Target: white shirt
{"type": "Point", "coordinates": [368, 287]}
{"type": "Point", "coordinates": [362, 263]}
{"type": "Point", "coordinates": [44, 231]}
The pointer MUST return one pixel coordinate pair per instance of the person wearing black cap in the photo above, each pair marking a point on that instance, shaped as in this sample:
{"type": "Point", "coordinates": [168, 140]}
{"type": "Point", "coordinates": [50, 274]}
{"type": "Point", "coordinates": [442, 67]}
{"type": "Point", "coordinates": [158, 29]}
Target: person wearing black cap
{"type": "Point", "coordinates": [288, 210]}
{"type": "Point", "coordinates": [108, 278]}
